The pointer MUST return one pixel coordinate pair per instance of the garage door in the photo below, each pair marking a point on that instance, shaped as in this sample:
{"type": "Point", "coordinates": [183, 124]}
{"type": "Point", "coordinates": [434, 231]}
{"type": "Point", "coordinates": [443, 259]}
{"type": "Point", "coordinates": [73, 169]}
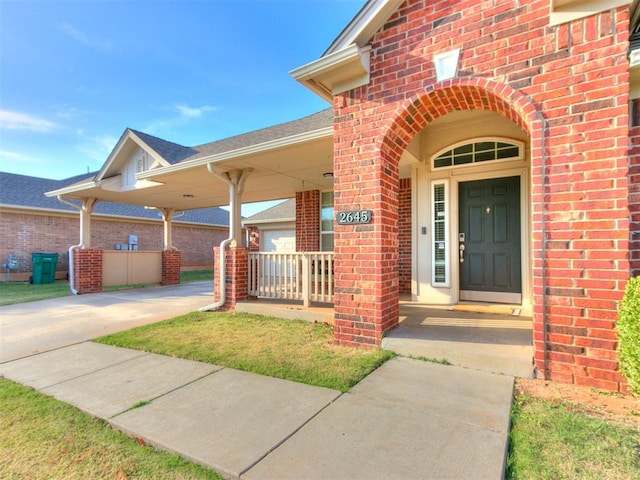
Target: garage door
{"type": "Point", "coordinates": [278, 241]}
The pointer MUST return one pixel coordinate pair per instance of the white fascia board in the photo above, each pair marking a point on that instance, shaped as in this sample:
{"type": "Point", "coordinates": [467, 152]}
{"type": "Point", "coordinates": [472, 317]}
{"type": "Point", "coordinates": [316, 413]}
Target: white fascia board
{"type": "Point", "coordinates": [336, 72]}
{"type": "Point", "coordinates": [564, 11]}
{"type": "Point", "coordinates": [246, 223]}
{"type": "Point", "coordinates": [73, 189]}
{"type": "Point", "coordinates": [142, 144]}
{"type": "Point", "coordinates": [365, 24]}
{"type": "Point", "coordinates": [240, 152]}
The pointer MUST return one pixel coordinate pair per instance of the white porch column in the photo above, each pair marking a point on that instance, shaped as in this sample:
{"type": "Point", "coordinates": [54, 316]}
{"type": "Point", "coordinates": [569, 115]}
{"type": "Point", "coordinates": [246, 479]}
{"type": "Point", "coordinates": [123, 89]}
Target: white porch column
{"type": "Point", "coordinates": [86, 210]}
{"type": "Point", "coordinates": [167, 219]}
{"type": "Point", "coordinates": [235, 179]}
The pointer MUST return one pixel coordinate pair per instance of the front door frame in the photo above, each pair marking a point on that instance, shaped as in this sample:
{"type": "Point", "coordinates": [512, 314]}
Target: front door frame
{"type": "Point", "coordinates": [489, 295]}
{"type": "Point", "coordinates": [458, 177]}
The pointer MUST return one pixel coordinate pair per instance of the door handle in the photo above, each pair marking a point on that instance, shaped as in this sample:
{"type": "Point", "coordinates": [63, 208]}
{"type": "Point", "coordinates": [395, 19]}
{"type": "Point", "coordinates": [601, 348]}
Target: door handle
{"type": "Point", "coordinates": [461, 248]}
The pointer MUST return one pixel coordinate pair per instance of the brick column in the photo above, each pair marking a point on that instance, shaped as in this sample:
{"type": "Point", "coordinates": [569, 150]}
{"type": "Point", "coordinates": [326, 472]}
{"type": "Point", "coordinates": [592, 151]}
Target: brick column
{"type": "Point", "coordinates": [87, 270]}
{"type": "Point", "coordinates": [236, 276]}
{"type": "Point", "coordinates": [170, 267]}
{"type": "Point", "coordinates": [308, 221]}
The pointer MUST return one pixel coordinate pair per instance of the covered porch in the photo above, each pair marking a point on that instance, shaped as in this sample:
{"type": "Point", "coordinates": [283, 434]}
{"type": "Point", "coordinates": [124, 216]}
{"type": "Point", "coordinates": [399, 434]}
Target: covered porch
{"type": "Point", "coordinates": [485, 337]}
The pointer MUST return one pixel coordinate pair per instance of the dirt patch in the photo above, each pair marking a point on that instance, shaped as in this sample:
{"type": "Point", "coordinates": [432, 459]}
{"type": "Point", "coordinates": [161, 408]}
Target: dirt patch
{"type": "Point", "coordinates": [596, 403]}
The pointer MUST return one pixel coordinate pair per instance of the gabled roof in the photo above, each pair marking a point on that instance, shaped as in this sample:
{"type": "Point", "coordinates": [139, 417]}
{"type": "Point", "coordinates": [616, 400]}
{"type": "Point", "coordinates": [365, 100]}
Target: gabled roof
{"type": "Point", "coordinates": [169, 151]}
{"type": "Point", "coordinates": [283, 159]}
{"type": "Point", "coordinates": [25, 192]}
{"type": "Point", "coordinates": [282, 212]}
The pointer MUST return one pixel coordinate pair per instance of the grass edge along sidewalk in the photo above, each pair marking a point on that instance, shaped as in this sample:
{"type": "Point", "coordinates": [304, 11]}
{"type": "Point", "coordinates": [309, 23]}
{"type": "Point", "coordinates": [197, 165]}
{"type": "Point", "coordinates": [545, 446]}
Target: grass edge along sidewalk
{"type": "Point", "coordinates": [292, 350]}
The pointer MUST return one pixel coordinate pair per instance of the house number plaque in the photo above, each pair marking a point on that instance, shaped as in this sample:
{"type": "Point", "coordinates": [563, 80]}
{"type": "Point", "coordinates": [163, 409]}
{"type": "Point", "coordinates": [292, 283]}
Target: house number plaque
{"type": "Point", "coordinates": [354, 217]}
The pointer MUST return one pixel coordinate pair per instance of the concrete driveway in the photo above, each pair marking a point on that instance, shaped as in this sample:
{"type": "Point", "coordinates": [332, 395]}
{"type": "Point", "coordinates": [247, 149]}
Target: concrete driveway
{"type": "Point", "coordinates": [36, 327]}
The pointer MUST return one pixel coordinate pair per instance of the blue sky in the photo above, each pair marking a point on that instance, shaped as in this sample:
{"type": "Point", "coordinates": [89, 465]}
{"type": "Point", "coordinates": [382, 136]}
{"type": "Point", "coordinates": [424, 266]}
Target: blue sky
{"type": "Point", "coordinates": [75, 74]}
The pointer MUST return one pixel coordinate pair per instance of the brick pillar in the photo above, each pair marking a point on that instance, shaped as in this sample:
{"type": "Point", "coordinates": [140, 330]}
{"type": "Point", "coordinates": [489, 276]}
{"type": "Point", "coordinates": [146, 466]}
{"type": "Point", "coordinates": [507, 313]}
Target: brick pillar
{"type": "Point", "coordinates": [236, 276]}
{"type": "Point", "coordinates": [404, 235]}
{"type": "Point", "coordinates": [308, 221]}
{"type": "Point", "coordinates": [170, 267]}
{"type": "Point", "coordinates": [87, 270]}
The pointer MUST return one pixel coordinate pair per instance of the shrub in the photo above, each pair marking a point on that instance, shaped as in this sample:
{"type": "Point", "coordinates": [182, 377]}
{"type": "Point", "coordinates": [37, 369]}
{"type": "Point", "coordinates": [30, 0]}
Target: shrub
{"type": "Point", "coordinates": [629, 335]}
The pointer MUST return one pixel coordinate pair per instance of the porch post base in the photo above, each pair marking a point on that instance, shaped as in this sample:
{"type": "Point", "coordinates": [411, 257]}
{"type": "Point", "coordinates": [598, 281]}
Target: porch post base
{"type": "Point", "coordinates": [170, 267]}
{"type": "Point", "coordinates": [87, 270]}
{"type": "Point", "coordinates": [236, 277]}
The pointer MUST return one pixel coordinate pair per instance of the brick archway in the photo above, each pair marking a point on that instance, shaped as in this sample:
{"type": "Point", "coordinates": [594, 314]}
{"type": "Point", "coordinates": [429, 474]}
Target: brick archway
{"type": "Point", "coordinates": [357, 316]}
{"type": "Point", "coordinates": [484, 94]}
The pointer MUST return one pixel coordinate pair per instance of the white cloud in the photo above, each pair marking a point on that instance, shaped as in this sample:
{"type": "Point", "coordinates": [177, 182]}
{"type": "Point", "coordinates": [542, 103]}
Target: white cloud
{"type": "Point", "coordinates": [23, 122]}
{"type": "Point", "coordinates": [186, 111]}
{"type": "Point", "coordinates": [182, 114]}
{"type": "Point", "coordinates": [16, 157]}
{"type": "Point", "coordinates": [83, 38]}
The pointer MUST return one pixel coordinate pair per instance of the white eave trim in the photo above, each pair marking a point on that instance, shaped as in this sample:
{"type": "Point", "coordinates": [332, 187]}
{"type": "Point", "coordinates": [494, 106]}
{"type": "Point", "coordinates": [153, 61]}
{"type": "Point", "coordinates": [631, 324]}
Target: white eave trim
{"type": "Point", "coordinates": [365, 24]}
{"type": "Point", "coordinates": [564, 11]}
{"type": "Point", "coordinates": [73, 189]}
{"type": "Point", "coordinates": [336, 72]}
{"type": "Point", "coordinates": [247, 223]}
{"type": "Point", "coordinates": [240, 152]}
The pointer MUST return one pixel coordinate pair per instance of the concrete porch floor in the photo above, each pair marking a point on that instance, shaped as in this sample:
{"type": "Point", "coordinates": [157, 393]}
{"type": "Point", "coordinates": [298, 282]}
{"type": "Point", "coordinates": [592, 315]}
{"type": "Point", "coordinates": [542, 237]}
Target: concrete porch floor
{"type": "Point", "coordinates": [489, 338]}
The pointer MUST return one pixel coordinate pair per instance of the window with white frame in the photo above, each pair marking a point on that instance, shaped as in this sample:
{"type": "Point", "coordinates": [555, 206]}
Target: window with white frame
{"type": "Point", "coordinates": [440, 229]}
{"type": "Point", "coordinates": [476, 151]}
{"type": "Point", "coordinates": [326, 221]}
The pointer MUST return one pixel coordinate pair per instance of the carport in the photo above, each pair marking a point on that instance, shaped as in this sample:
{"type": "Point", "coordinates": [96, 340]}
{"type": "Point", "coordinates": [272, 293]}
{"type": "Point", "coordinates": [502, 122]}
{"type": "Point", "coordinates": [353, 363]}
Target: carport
{"type": "Point", "coordinates": [268, 164]}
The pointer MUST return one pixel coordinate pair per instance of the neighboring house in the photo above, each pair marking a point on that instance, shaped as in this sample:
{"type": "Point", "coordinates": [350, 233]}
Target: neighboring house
{"type": "Point", "coordinates": [31, 222]}
{"type": "Point", "coordinates": [273, 229]}
{"type": "Point", "coordinates": [475, 151]}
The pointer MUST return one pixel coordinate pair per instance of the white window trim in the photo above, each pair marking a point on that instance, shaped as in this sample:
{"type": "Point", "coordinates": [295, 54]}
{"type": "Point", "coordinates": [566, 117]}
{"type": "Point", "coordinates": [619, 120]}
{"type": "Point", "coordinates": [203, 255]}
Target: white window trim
{"type": "Point", "coordinates": [512, 141]}
{"type": "Point", "coordinates": [322, 232]}
{"type": "Point", "coordinates": [447, 281]}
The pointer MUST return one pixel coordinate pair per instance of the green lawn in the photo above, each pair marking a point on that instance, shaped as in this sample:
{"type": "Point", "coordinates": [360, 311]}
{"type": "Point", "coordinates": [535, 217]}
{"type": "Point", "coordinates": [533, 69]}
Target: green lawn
{"type": "Point", "coordinates": [549, 441]}
{"type": "Point", "coordinates": [294, 350]}
{"type": "Point", "coordinates": [22, 292]}
{"type": "Point", "coordinates": [42, 438]}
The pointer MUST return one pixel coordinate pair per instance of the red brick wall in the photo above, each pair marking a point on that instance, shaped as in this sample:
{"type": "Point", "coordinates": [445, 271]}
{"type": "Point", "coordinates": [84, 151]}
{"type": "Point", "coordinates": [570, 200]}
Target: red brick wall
{"type": "Point", "coordinates": [170, 267]}
{"type": "Point", "coordinates": [236, 276]}
{"type": "Point", "coordinates": [404, 235]}
{"type": "Point", "coordinates": [23, 233]}
{"type": "Point", "coordinates": [254, 239]}
{"type": "Point", "coordinates": [87, 267]}
{"type": "Point", "coordinates": [308, 221]}
{"type": "Point", "coordinates": [567, 87]}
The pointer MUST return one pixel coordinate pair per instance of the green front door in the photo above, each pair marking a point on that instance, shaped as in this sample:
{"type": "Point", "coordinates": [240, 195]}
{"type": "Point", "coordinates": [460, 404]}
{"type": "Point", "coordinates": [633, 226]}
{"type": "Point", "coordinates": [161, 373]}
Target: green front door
{"type": "Point", "coordinates": [489, 240]}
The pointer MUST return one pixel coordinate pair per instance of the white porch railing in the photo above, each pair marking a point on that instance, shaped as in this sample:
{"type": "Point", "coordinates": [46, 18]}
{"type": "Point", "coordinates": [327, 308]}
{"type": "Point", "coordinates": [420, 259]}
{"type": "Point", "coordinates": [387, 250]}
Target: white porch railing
{"type": "Point", "coordinates": [292, 276]}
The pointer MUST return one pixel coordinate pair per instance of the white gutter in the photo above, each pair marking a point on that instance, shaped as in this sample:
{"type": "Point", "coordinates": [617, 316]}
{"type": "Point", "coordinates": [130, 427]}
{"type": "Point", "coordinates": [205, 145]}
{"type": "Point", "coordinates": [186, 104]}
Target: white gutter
{"type": "Point", "coordinates": [73, 247]}
{"type": "Point", "coordinates": [236, 185]}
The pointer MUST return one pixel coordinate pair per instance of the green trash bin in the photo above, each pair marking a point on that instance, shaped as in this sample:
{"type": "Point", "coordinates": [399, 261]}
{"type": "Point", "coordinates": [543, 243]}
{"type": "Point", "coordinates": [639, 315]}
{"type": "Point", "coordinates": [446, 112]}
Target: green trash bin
{"type": "Point", "coordinates": [44, 267]}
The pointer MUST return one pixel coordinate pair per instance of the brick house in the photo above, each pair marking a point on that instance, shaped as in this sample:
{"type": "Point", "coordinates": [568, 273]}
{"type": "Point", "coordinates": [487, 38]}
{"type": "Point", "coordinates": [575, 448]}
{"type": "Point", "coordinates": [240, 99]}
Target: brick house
{"type": "Point", "coordinates": [273, 229]}
{"type": "Point", "coordinates": [483, 151]}
{"type": "Point", "coordinates": [31, 222]}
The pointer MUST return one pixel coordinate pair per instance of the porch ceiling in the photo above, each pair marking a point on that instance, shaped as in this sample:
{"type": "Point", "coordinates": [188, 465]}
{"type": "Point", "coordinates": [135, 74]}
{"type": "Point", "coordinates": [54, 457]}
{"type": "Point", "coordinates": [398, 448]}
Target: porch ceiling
{"type": "Point", "coordinates": [277, 173]}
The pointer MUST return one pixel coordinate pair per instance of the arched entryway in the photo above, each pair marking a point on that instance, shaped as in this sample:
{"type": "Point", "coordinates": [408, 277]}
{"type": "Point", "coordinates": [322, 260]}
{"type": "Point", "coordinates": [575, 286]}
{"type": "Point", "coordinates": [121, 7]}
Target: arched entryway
{"type": "Point", "coordinates": [411, 138]}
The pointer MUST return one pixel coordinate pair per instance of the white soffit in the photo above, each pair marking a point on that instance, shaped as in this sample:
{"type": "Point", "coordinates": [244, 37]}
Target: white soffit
{"type": "Point", "coordinates": [337, 72]}
{"type": "Point", "coordinates": [563, 11]}
{"type": "Point", "coordinates": [345, 64]}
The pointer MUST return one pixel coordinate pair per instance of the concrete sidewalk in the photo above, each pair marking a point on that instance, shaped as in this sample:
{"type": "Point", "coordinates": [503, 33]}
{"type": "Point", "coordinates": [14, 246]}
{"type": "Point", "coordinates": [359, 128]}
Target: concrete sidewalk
{"type": "Point", "coordinates": [408, 419]}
